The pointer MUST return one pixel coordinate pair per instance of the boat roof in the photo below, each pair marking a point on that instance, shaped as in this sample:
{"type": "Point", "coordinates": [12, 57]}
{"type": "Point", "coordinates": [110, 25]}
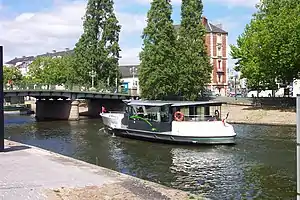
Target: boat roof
{"type": "Point", "coordinates": [173, 103]}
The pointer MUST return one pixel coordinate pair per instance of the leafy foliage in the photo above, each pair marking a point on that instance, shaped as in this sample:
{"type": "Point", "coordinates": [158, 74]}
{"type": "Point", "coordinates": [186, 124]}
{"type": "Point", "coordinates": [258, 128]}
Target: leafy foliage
{"type": "Point", "coordinates": [157, 71]}
{"type": "Point", "coordinates": [269, 49]}
{"type": "Point", "coordinates": [13, 74]}
{"type": "Point", "coordinates": [48, 70]}
{"type": "Point", "coordinates": [193, 62]}
{"type": "Point", "coordinates": [98, 48]}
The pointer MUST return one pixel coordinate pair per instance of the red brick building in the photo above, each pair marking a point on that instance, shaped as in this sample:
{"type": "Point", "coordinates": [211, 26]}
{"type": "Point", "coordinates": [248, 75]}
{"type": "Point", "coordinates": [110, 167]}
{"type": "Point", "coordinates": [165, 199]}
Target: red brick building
{"type": "Point", "coordinates": [216, 43]}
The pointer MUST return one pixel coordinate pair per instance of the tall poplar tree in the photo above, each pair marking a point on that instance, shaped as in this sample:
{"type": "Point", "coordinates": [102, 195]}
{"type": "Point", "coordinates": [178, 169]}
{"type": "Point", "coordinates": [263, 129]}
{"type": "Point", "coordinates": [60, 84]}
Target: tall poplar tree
{"type": "Point", "coordinates": [193, 61]}
{"type": "Point", "coordinates": [98, 47]}
{"type": "Point", "coordinates": [157, 74]}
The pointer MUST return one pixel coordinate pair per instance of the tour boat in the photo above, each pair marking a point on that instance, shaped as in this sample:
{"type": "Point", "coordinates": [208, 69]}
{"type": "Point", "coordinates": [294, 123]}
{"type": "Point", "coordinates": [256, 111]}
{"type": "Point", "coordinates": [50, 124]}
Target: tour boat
{"type": "Point", "coordinates": [196, 122]}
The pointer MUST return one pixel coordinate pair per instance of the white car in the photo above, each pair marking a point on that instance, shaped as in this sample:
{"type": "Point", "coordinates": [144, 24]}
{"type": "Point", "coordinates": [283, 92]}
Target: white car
{"type": "Point", "coordinates": [252, 93]}
{"type": "Point", "coordinates": [280, 92]}
{"type": "Point", "coordinates": [265, 93]}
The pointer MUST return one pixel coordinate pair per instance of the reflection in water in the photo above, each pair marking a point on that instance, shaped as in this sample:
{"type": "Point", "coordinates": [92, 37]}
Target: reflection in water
{"type": "Point", "coordinates": [260, 166]}
{"type": "Point", "coordinates": [208, 171]}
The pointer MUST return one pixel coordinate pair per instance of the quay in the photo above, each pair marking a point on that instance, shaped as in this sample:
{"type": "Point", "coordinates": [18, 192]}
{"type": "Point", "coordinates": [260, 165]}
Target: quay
{"type": "Point", "coordinates": [28, 172]}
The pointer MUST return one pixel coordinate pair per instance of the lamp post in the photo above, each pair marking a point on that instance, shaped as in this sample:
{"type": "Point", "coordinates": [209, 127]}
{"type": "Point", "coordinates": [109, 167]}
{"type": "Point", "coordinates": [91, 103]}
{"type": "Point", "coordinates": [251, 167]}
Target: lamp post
{"type": "Point", "coordinates": [235, 77]}
{"type": "Point", "coordinates": [92, 74]}
{"type": "Point", "coordinates": [134, 86]}
{"type": "Point", "coordinates": [1, 102]}
{"type": "Point", "coordinates": [133, 72]}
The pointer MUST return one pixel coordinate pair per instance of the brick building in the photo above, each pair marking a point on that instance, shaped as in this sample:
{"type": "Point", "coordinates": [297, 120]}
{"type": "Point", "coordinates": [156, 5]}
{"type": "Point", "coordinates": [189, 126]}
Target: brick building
{"type": "Point", "coordinates": [216, 44]}
{"type": "Point", "coordinates": [216, 41]}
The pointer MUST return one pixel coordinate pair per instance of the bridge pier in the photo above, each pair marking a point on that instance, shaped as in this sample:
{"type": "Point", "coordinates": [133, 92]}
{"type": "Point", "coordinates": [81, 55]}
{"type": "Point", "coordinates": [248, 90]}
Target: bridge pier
{"type": "Point", "coordinates": [57, 110]}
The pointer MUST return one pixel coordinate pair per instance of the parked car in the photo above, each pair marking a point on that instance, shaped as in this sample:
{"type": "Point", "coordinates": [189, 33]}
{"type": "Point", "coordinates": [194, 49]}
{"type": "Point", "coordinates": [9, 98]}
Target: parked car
{"type": "Point", "coordinates": [265, 93]}
{"type": "Point", "coordinates": [252, 93]}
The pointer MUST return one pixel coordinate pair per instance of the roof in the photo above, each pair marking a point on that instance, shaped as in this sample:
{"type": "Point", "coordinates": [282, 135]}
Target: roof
{"type": "Point", "coordinates": [149, 103]}
{"type": "Point", "coordinates": [125, 70]}
{"type": "Point", "coordinates": [210, 28]}
{"type": "Point", "coordinates": [58, 53]}
{"type": "Point", "coordinates": [31, 58]}
{"type": "Point", "coordinates": [174, 103]}
{"type": "Point", "coordinates": [22, 59]}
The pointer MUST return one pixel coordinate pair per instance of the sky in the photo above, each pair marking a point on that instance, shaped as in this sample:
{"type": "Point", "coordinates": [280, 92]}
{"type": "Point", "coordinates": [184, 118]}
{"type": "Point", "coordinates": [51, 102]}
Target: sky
{"type": "Point", "coordinates": [32, 27]}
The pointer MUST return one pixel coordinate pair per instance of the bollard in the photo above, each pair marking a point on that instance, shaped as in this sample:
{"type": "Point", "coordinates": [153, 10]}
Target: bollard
{"type": "Point", "coordinates": [298, 146]}
{"type": "Point", "coordinates": [1, 102]}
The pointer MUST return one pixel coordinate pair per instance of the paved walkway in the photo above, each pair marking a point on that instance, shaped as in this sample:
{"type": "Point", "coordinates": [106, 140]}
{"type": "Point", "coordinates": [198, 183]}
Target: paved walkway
{"type": "Point", "coordinates": [31, 173]}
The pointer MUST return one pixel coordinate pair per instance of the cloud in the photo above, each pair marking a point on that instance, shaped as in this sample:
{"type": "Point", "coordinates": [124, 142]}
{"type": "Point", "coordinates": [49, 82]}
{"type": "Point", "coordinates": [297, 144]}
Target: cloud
{"type": "Point", "coordinates": [147, 2]}
{"type": "Point", "coordinates": [230, 3]}
{"type": "Point", "coordinates": [235, 3]}
{"type": "Point", "coordinates": [58, 28]}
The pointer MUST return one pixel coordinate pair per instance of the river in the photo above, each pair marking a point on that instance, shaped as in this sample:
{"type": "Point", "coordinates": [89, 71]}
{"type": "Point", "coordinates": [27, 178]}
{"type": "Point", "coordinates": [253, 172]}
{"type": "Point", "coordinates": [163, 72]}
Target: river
{"type": "Point", "coordinates": [262, 165]}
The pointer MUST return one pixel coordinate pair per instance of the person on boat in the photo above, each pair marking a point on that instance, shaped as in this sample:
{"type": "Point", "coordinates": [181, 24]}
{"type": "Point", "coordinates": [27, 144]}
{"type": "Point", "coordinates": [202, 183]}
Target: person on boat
{"type": "Point", "coordinates": [103, 109]}
{"type": "Point", "coordinates": [217, 115]}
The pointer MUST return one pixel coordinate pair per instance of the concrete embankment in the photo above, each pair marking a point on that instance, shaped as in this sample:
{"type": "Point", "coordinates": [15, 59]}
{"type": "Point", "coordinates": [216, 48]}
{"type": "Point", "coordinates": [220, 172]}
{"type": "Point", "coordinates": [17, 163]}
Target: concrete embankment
{"type": "Point", "coordinates": [29, 172]}
{"type": "Point", "coordinates": [254, 115]}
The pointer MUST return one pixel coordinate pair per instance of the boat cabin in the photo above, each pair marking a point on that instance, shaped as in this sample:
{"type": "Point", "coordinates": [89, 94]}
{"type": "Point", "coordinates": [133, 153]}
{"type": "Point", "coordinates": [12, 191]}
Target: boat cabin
{"type": "Point", "coordinates": [157, 116]}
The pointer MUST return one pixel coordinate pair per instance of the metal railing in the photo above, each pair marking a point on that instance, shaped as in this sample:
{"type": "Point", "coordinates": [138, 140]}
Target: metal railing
{"type": "Point", "coordinates": [200, 118]}
{"type": "Point", "coordinates": [73, 88]}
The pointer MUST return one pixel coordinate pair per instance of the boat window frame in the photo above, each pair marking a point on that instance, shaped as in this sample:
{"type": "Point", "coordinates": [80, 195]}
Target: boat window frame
{"type": "Point", "coordinates": [206, 114]}
{"type": "Point", "coordinates": [167, 112]}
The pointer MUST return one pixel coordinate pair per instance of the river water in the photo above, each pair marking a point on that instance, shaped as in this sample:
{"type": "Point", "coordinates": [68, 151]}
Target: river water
{"type": "Point", "coordinates": [262, 165]}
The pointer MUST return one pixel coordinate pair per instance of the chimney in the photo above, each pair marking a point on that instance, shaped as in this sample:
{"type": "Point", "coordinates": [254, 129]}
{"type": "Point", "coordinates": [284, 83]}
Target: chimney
{"type": "Point", "coordinates": [204, 20]}
{"type": "Point", "coordinates": [219, 26]}
{"type": "Point", "coordinates": [67, 49]}
{"type": "Point", "coordinates": [54, 51]}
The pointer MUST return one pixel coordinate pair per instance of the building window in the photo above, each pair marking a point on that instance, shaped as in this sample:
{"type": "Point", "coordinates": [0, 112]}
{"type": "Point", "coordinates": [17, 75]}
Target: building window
{"type": "Point", "coordinates": [219, 38]}
{"type": "Point", "coordinates": [219, 78]}
{"type": "Point", "coordinates": [219, 50]}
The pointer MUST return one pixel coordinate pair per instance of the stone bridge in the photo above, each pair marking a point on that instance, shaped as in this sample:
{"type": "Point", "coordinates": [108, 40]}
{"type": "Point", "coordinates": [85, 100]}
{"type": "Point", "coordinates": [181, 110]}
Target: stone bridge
{"type": "Point", "coordinates": [64, 104]}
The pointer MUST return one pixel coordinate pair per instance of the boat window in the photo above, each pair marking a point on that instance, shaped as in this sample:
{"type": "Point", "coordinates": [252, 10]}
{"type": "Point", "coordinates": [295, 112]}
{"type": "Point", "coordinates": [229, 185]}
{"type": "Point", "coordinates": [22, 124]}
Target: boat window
{"type": "Point", "coordinates": [152, 113]}
{"type": "Point", "coordinates": [140, 111]}
{"type": "Point", "coordinates": [213, 110]}
{"type": "Point", "coordinates": [164, 113]}
{"type": "Point", "coordinates": [130, 110]}
{"type": "Point", "coordinates": [192, 111]}
{"type": "Point", "coordinates": [200, 112]}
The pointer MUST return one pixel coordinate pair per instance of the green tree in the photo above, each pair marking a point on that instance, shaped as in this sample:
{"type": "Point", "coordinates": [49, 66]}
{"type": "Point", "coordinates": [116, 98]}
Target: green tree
{"type": "Point", "coordinates": [269, 49]}
{"type": "Point", "coordinates": [98, 48]}
{"type": "Point", "coordinates": [249, 63]}
{"type": "Point", "coordinates": [36, 72]}
{"type": "Point", "coordinates": [157, 72]}
{"type": "Point", "coordinates": [193, 61]}
{"type": "Point", "coordinates": [13, 74]}
{"type": "Point", "coordinates": [54, 71]}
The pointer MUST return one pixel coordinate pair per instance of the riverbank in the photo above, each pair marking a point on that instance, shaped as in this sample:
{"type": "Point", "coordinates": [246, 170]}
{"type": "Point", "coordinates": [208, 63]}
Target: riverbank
{"type": "Point", "coordinates": [29, 172]}
{"type": "Point", "coordinates": [265, 116]}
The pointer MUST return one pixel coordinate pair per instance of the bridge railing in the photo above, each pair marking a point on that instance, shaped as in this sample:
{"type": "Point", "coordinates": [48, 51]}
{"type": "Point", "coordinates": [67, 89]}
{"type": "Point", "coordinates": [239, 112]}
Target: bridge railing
{"type": "Point", "coordinates": [75, 88]}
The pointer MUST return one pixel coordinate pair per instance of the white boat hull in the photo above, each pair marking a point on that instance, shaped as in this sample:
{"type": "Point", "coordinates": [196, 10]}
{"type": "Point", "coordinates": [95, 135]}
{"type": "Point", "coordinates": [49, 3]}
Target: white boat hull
{"type": "Point", "coordinates": [197, 132]}
{"type": "Point", "coordinates": [112, 120]}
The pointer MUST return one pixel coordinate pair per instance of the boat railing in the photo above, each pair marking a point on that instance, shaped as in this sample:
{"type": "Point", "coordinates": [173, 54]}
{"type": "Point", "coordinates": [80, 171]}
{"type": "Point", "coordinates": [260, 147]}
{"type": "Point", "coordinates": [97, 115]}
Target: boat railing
{"type": "Point", "coordinates": [117, 112]}
{"type": "Point", "coordinates": [199, 118]}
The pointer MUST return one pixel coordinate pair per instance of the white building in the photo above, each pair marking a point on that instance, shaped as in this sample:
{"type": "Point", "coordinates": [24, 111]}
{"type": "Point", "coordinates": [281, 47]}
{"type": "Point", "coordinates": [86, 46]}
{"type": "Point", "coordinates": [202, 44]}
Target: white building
{"type": "Point", "coordinates": [130, 77]}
